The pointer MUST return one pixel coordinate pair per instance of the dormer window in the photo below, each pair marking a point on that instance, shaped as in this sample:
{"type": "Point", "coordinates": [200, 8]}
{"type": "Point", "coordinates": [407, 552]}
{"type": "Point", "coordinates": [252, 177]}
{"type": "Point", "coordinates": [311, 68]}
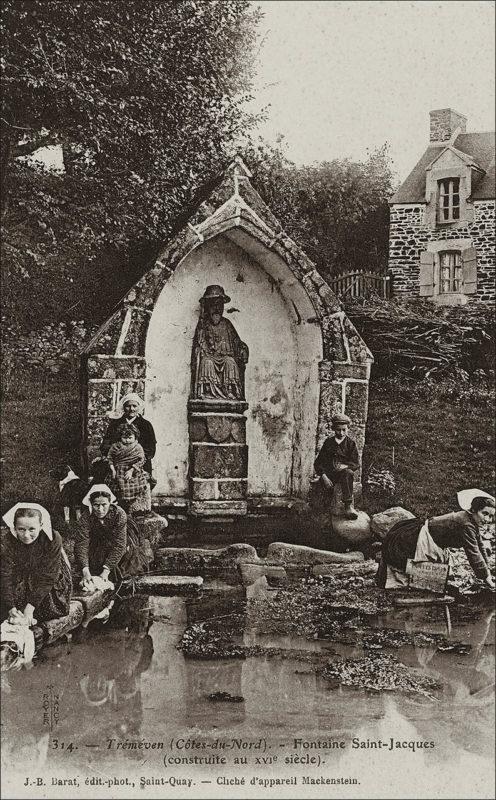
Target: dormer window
{"type": "Point", "coordinates": [450, 272]}
{"type": "Point", "coordinates": [448, 200]}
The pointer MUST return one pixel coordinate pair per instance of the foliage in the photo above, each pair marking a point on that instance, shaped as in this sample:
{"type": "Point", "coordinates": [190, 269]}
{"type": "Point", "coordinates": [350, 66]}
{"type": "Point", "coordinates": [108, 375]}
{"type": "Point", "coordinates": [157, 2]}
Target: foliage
{"type": "Point", "coordinates": [458, 388]}
{"type": "Point", "coordinates": [337, 211]}
{"type": "Point", "coordinates": [39, 356]}
{"type": "Point", "coordinates": [146, 101]}
{"type": "Point", "coordinates": [145, 98]}
{"type": "Point", "coordinates": [413, 337]}
{"type": "Point", "coordinates": [381, 480]}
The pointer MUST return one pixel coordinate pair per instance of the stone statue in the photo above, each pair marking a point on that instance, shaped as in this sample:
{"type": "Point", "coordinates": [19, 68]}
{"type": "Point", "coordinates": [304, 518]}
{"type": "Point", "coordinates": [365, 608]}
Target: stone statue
{"type": "Point", "coordinates": [219, 355]}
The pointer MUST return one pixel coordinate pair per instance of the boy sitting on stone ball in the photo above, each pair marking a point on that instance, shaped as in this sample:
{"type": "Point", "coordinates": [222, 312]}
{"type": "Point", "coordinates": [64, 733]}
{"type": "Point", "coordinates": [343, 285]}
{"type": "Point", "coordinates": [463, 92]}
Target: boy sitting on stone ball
{"type": "Point", "coordinates": [337, 461]}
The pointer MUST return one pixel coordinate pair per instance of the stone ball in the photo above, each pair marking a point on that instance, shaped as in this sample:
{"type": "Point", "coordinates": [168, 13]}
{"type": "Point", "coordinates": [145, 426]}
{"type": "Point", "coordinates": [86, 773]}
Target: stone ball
{"type": "Point", "coordinates": [382, 522]}
{"type": "Point", "coordinates": [354, 531]}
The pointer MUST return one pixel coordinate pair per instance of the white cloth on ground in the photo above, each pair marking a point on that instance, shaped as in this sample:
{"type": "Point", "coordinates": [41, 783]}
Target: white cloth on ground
{"type": "Point", "coordinates": [22, 638]}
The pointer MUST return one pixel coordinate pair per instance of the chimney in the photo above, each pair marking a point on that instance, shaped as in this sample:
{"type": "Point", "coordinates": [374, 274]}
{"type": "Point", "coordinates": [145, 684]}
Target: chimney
{"type": "Point", "coordinates": [444, 123]}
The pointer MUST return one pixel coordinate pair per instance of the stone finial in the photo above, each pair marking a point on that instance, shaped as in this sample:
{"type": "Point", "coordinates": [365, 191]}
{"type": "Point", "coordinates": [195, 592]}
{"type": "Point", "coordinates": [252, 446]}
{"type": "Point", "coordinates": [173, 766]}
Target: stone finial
{"type": "Point", "coordinates": [239, 167]}
{"type": "Point", "coordinates": [444, 123]}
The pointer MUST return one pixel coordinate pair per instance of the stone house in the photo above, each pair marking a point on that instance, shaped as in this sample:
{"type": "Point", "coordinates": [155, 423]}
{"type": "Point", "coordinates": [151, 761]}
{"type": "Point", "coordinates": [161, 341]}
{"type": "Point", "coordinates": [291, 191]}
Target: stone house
{"type": "Point", "coordinates": [306, 359]}
{"type": "Point", "coordinates": [442, 218]}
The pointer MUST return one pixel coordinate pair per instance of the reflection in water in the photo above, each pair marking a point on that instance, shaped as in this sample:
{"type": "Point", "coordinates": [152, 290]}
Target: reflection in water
{"type": "Point", "coordinates": [132, 683]}
{"type": "Point", "coordinates": [111, 681]}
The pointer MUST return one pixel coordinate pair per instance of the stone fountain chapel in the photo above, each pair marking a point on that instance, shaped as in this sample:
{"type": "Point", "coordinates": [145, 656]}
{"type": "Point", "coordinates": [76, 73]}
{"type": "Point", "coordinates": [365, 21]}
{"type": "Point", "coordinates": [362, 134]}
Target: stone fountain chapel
{"type": "Point", "coordinates": [241, 353]}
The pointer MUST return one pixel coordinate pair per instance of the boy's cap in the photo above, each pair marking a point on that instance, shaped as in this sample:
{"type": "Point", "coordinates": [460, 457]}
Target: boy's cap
{"type": "Point", "coordinates": [340, 419]}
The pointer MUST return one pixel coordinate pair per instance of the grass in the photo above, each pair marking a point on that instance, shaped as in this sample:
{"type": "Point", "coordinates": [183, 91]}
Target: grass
{"type": "Point", "coordinates": [440, 444]}
{"type": "Point", "coordinates": [39, 431]}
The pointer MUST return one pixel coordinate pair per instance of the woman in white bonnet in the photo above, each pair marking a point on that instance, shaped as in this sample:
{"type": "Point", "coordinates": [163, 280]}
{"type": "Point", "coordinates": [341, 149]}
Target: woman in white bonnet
{"type": "Point", "coordinates": [36, 576]}
{"type": "Point", "coordinates": [427, 540]}
{"type": "Point", "coordinates": [130, 409]}
{"type": "Point", "coordinates": [107, 541]}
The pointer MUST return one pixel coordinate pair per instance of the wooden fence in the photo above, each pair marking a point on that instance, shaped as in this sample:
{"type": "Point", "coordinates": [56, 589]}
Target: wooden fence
{"type": "Point", "coordinates": [362, 284]}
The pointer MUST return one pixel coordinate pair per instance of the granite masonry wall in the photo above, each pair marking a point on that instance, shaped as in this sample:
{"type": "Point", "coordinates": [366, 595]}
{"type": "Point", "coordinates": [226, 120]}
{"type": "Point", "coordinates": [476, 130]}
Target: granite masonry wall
{"type": "Point", "coordinates": [444, 122]}
{"type": "Point", "coordinates": [409, 235]}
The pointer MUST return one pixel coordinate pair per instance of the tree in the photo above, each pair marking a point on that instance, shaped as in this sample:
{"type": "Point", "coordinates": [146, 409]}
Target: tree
{"type": "Point", "coordinates": [337, 211]}
{"type": "Point", "coordinates": [145, 97]}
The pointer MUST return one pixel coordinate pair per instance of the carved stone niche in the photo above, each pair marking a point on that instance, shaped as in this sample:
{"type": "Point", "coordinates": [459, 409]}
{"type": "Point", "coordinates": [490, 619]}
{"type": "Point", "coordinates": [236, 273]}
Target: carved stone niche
{"type": "Point", "coordinates": [266, 377]}
{"type": "Point", "coordinates": [218, 453]}
{"type": "Point", "coordinates": [218, 457]}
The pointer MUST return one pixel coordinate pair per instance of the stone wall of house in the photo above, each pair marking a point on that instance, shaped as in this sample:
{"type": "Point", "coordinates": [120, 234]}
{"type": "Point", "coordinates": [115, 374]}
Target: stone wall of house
{"type": "Point", "coordinates": [444, 122]}
{"type": "Point", "coordinates": [409, 235]}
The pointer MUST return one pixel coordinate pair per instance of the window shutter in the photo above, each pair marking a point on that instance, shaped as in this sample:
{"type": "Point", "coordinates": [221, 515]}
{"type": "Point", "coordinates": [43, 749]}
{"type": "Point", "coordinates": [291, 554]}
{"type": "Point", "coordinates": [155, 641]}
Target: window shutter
{"type": "Point", "coordinates": [469, 258]}
{"type": "Point", "coordinates": [426, 279]}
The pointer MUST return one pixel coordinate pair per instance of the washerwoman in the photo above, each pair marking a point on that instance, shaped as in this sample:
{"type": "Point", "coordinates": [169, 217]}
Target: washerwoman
{"type": "Point", "coordinates": [36, 575]}
{"type": "Point", "coordinates": [105, 547]}
{"type": "Point", "coordinates": [427, 540]}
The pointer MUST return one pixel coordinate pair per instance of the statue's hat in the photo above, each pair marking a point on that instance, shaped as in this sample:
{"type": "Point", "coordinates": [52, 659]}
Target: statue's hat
{"type": "Point", "coordinates": [213, 292]}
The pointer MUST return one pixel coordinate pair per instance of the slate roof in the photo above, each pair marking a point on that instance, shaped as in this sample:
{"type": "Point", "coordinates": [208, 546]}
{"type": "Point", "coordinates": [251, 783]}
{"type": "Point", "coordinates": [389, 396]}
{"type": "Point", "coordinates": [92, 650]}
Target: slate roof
{"type": "Point", "coordinates": [480, 146]}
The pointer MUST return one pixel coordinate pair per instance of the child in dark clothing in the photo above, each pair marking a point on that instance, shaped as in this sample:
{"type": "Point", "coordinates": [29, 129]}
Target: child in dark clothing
{"type": "Point", "coordinates": [337, 461]}
{"type": "Point", "coordinates": [127, 458]}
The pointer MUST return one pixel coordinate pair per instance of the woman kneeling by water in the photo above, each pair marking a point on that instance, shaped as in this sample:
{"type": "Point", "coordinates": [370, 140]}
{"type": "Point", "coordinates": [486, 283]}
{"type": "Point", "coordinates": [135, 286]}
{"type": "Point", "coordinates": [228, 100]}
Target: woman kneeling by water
{"type": "Point", "coordinates": [107, 542]}
{"type": "Point", "coordinates": [36, 575]}
{"type": "Point", "coordinates": [423, 540]}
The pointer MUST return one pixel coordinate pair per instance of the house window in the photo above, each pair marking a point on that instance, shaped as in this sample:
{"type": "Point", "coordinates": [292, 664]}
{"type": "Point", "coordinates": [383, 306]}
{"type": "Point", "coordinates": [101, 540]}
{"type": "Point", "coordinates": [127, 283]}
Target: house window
{"type": "Point", "coordinates": [449, 200]}
{"type": "Point", "coordinates": [450, 272]}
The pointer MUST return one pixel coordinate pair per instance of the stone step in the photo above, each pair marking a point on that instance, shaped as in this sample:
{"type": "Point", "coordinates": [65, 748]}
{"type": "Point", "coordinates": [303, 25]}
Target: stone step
{"type": "Point", "coordinates": [196, 560]}
{"type": "Point", "coordinates": [162, 585]}
{"type": "Point", "coordinates": [153, 527]}
{"type": "Point", "coordinates": [353, 531]}
{"type": "Point", "coordinates": [346, 570]}
{"type": "Point", "coordinates": [284, 553]}
{"type": "Point", "coordinates": [93, 603]}
{"type": "Point", "coordinates": [55, 628]}
{"type": "Point", "coordinates": [252, 572]}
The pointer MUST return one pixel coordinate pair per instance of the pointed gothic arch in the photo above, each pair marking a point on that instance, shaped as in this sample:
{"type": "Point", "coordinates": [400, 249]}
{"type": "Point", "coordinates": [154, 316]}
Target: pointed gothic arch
{"type": "Point", "coordinates": [307, 361]}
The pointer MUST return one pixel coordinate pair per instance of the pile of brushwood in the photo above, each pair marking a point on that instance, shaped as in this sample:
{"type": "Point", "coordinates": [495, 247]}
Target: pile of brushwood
{"type": "Point", "coordinates": [415, 338]}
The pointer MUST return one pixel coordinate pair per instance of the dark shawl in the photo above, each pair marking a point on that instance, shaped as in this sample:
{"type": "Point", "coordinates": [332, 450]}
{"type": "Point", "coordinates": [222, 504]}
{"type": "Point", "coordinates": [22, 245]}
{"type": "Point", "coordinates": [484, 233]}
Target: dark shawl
{"type": "Point", "coordinates": [101, 541]}
{"type": "Point", "coordinates": [40, 568]}
{"type": "Point", "coordinates": [147, 438]}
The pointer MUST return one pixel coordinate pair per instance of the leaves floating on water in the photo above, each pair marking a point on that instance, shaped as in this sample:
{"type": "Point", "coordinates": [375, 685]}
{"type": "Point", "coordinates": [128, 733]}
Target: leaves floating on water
{"type": "Point", "coordinates": [333, 609]}
{"type": "Point", "coordinates": [315, 607]}
{"type": "Point", "coordinates": [379, 672]}
{"type": "Point", "coordinates": [376, 639]}
{"type": "Point", "coordinates": [455, 647]}
{"type": "Point", "coordinates": [203, 641]}
{"type": "Point", "coordinates": [225, 697]}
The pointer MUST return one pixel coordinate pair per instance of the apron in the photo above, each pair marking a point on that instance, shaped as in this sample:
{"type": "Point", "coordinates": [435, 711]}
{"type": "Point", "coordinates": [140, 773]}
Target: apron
{"type": "Point", "coordinates": [426, 550]}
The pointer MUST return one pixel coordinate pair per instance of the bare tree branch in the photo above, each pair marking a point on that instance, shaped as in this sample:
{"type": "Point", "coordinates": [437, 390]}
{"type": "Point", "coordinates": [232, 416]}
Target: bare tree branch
{"type": "Point", "coordinates": [27, 148]}
{"type": "Point", "coordinates": [15, 127]}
